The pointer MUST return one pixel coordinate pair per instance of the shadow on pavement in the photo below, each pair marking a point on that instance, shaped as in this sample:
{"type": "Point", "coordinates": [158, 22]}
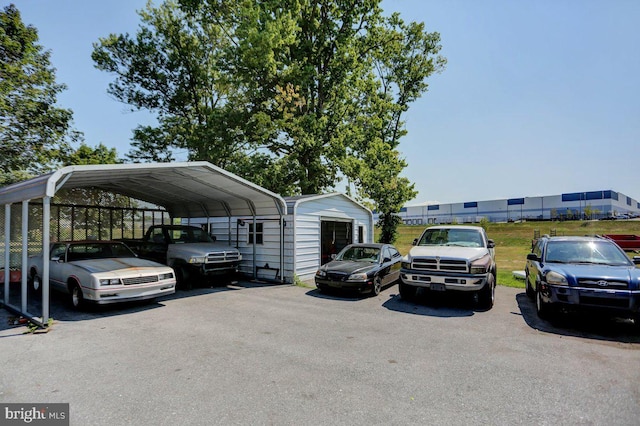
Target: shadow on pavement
{"type": "Point", "coordinates": [61, 310]}
{"type": "Point", "coordinates": [589, 324]}
{"type": "Point", "coordinates": [442, 305]}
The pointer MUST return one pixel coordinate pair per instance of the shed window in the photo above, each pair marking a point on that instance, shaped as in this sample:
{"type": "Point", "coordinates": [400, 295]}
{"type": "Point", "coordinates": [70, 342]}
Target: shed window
{"type": "Point", "coordinates": [259, 233]}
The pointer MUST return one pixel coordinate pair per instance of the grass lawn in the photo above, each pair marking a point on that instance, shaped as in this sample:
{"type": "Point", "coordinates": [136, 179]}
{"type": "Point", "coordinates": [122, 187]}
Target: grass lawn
{"type": "Point", "coordinates": [513, 240]}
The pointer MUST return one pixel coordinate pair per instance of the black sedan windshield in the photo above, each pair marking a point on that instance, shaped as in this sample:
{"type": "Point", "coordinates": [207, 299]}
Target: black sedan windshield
{"type": "Point", "coordinates": [359, 254]}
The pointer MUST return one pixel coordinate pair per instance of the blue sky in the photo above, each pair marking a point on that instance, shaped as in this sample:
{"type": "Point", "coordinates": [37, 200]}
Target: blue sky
{"type": "Point", "coordinates": [539, 97]}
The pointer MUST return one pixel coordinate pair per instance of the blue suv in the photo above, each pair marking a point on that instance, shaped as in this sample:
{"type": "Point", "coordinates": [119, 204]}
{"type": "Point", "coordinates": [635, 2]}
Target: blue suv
{"type": "Point", "coordinates": [590, 272]}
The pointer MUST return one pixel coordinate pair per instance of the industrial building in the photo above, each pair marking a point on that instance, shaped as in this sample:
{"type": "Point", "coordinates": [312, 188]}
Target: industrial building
{"type": "Point", "coordinates": [569, 206]}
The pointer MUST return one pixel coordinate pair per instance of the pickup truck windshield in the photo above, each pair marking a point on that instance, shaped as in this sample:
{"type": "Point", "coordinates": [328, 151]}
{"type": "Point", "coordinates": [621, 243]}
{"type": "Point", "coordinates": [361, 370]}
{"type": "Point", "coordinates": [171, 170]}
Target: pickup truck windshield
{"type": "Point", "coordinates": [189, 235]}
{"type": "Point", "coordinates": [451, 237]}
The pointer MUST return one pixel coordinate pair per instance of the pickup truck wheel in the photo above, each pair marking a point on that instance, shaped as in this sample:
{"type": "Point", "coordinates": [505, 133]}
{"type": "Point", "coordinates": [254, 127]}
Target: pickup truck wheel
{"type": "Point", "coordinates": [487, 295]}
{"type": "Point", "coordinates": [35, 282]}
{"type": "Point", "coordinates": [407, 292]}
{"type": "Point", "coordinates": [76, 299]}
{"type": "Point", "coordinates": [377, 286]}
{"type": "Point", "coordinates": [182, 278]}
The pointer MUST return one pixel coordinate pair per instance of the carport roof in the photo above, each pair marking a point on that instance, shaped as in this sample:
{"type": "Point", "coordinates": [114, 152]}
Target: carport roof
{"type": "Point", "coordinates": [190, 189]}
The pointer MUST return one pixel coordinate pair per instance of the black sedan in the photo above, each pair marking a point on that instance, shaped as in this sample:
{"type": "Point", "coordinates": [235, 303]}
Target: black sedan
{"type": "Point", "coordinates": [365, 268]}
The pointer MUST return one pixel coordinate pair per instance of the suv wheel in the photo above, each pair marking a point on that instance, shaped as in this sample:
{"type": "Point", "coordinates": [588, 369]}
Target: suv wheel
{"type": "Point", "coordinates": [529, 290]}
{"type": "Point", "coordinates": [543, 309]}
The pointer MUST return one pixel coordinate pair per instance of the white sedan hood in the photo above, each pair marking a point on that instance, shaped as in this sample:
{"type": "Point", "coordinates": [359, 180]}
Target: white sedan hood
{"type": "Point", "coordinates": [115, 264]}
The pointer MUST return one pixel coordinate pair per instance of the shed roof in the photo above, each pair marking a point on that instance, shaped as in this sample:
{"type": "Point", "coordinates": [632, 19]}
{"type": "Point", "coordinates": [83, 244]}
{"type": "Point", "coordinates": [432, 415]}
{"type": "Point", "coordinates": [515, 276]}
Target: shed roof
{"type": "Point", "coordinates": [294, 201]}
{"type": "Point", "coordinates": [189, 189]}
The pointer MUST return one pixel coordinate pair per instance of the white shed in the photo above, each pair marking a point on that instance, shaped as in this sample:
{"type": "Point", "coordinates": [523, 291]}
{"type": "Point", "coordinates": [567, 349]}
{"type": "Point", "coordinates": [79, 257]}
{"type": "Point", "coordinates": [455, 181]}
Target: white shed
{"type": "Point", "coordinates": [315, 227]}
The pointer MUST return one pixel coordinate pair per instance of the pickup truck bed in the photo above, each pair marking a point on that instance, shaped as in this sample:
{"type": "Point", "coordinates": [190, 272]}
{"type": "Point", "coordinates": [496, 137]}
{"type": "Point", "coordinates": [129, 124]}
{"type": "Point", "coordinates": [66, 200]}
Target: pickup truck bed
{"type": "Point", "coordinates": [625, 241]}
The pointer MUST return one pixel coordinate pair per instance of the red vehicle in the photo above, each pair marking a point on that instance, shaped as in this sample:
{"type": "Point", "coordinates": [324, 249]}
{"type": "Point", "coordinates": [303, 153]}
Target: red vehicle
{"type": "Point", "coordinates": [626, 242]}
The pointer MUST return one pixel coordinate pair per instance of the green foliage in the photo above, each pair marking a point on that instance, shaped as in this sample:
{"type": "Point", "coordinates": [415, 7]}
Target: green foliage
{"type": "Point", "coordinates": [388, 225]}
{"type": "Point", "coordinates": [299, 283]}
{"type": "Point", "coordinates": [35, 136]}
{"type": "Point", "coordinates": [86, 155]}
{"type": "Point", "coordinates": [288, 94]}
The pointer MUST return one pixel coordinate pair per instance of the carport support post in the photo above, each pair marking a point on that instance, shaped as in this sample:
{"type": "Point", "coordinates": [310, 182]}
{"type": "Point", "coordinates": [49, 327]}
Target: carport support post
{"type": "Point", "coordinates": [281, 249]}
{"type": "Point", "coordinates": [46, 225]}
{"type": "Point", "coordinates": [7, 251]}
{"type": "Point", "coordinates": [25, 253]}
{"type": "Point", "coordinates": [255, 243]}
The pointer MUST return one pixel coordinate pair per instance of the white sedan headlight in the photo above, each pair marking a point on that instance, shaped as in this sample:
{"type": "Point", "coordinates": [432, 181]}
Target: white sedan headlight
{"type": "Point", "coordinates": [555, 278]}
{"type": "Point", "coordinates": [110, 281]}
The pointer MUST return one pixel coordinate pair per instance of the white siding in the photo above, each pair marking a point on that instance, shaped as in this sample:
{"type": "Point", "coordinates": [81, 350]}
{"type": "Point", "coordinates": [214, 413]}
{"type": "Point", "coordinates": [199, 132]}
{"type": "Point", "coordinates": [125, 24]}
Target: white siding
{"type": "Point", "coordinates": [302, 248]}
{"type": "Point", "coordinates": [308, 216]}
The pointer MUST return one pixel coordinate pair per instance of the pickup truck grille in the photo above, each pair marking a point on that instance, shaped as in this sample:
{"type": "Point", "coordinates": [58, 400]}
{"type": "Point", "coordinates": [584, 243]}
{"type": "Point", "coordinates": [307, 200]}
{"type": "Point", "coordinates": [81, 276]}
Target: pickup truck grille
{"type": "Point", "coordinates": [140, 280]}
{"type": "Point", "coordinates": [436, 264]}
{"type": "Point", "coordinates": [223, 256]}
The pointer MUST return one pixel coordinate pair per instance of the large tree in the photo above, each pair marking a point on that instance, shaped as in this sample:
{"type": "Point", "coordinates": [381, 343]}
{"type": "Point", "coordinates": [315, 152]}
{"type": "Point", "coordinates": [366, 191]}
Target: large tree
{"type": "Point", "coordinates": [290, 94]}
{"type": "Point", "coordinates": [35, 135]}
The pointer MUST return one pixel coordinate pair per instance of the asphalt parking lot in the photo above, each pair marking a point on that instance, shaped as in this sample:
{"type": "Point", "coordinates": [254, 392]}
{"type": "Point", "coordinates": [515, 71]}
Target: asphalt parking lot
{"type": "Point", "coordinates": [279, 354]}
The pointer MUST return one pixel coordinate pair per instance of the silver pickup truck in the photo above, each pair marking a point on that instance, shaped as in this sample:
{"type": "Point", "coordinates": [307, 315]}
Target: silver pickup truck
{"type": "Point", "coordinates": [451, 258]}
{"type": "Point", "coordinates": [189, 250]}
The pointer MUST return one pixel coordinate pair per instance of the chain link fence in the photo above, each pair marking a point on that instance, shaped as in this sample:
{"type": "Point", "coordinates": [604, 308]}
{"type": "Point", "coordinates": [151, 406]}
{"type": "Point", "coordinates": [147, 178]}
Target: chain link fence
{"type": "Point", "coordinates": [72, 223]}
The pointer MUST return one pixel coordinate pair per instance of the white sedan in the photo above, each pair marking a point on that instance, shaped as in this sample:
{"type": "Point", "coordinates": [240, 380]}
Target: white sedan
{"type": "Point", "coordinates": [102, 272]}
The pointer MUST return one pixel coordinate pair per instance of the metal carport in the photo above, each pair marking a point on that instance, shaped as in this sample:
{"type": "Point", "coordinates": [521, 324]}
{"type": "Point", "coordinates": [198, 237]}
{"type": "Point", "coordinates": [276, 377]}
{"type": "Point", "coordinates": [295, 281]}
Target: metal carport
{"type": "Point", "coordinates": [185, 190]}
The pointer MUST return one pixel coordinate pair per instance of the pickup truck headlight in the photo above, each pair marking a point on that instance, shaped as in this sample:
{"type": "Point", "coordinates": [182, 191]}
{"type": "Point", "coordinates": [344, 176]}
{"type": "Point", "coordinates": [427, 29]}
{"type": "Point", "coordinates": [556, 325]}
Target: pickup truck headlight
{"type": "Point", "coordinates": [197, 259]}
{"type": "Point", "coordinates": [406, 265]}
{"type": "Point", "coordinates": [357, 277]}
{"type": "Point", "coordinates": [110, 281]}
{"type": "Point", "coordinates": [321, 273]}
{"type": "Point", "coordinates": [481, 266]}
{"type": "Point", "coordinates": [555, 278]}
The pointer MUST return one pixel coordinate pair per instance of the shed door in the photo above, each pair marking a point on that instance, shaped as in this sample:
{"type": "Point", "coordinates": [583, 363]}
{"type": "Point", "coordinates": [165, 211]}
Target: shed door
{"type": "Point", "coordinates": [334, 236]}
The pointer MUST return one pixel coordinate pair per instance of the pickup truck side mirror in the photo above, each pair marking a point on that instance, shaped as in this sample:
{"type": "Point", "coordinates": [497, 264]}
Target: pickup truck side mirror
{"type": "Point", "coordinates": [636, 260]}
{"type": "Point", "coordinates": [57, 259]}
{"type": "Point", "coordinates": [415, 242]}
{"type": "Point", "coordinates": [386, 259]}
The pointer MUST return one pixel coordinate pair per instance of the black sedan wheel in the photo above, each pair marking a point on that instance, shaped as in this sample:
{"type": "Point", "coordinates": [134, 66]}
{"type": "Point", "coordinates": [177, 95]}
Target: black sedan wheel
{"type": "Point", "coordinates": [377, 286]}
